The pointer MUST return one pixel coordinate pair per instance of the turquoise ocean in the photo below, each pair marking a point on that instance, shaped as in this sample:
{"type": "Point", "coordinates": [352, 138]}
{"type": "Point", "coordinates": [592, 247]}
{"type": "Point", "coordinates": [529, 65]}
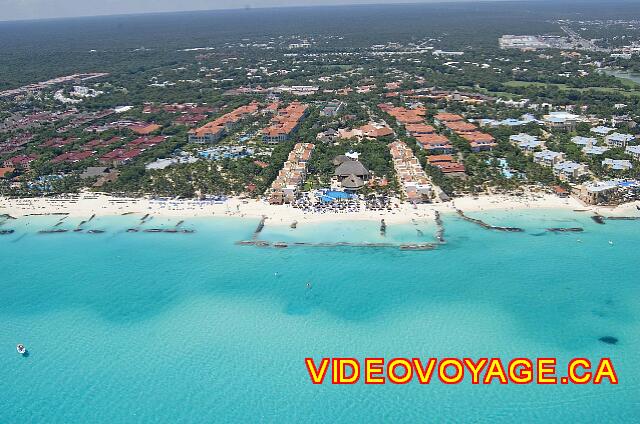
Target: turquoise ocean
{"type": "Point", "coordinates": [192, 328]}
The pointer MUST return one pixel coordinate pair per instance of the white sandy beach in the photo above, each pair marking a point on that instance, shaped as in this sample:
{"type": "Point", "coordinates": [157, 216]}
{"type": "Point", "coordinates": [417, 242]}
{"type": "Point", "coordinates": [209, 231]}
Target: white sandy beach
{"type": "Point", "coordinates": [87, 204]}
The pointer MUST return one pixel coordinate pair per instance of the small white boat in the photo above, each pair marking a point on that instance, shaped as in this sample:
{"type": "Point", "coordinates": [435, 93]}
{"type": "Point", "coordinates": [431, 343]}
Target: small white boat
{"type": "Point", "coordinates": [21, 349]}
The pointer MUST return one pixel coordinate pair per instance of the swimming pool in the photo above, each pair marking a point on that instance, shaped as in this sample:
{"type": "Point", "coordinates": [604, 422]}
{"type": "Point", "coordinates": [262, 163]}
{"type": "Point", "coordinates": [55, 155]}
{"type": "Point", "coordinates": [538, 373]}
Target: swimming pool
{"type": "Point", "coordinates": [331, 195]}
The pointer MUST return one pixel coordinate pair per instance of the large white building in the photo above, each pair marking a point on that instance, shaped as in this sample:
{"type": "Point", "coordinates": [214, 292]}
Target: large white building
{"type": "Point", "coordinates": [618, 140]}
{"type": "Point", "coordinates": [634, 151]}
{"type": "Point", "coordinates": [548, 157]}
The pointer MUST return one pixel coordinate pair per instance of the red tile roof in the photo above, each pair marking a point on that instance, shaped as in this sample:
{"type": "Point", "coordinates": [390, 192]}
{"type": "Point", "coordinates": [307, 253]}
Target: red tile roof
{"type": "Point", "coordinates": [145, 129]}
{"type": "Point", "coordinates": [448, 117]}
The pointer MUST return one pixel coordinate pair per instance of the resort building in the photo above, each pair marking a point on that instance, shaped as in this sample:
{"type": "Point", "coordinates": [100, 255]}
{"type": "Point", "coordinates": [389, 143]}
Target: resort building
{"type": "Point", "coordinates": [213, 131]}
{"type": "Point", "coordinates": [411, 175]}
{"type": "Point", "coordinates": [331, 109]}
{"type": "Point", "coordinates": [548, 157]}
{"type": "Point", "coordinates": [509, 122]}
{"type": "Point", "coordinates": [416, 130]}
{"type": "Point", "coordinates": [602, 131]}
{"type": "Point", "coordinates": [526, 142]}
{"type": "Point", "coordinates": [584, 141]}
{"type": "Point", "coordinates": [119, 157]}
{"type": "Point", "coordinates": [72, 157]}
{"type": "Point", "coordinates": [371, 130]}
{"type": "Point", "coordinates": [376, 130]}
{"type": "Point", "coordinates": [435, 143]}
{"type": "Point", "coordinates": [609, 192]}
{"type": "Point", "coordinates": [6, 172]}
{"type": "Point", "coordinates": [403, 115]}
{"type": "Point", "coordinates": [285, 123]}
{"type": "Point", "coordinates": [599, 192]}
{"type": "Point", "coordinates": [562, 120]}
{"type": "Point", "coordinates": [618, 140]}
{"type": "Point", "coordinates": [286, 185]}
{"type": "Point", "coordinates": [569, 170]}
{"type": "Point", "coordinates": [595, 150]}
{"type": "Point", "coordinates": [327, 136]}
{"type": "Point", "coordinates": [480, 141]}
{"type": "Point", "coordinates": [617, 164]}
{"type": "Point", "coordinates": [145, 129]}
{"type": "Point", "coordinates": [443, 118]}
{"type": "Point", "coordinates": [350, 172]}
{"type": "Point", "coordinates": [20, 162]}
{"type": "Point", "coordinates": [634, 151]}
{"type": "Point", "coordinates": [447, 164]}
{"type": "Point", "coordinates": [522, 137]}
{"type": "Point", "coordinates": [461, 127]}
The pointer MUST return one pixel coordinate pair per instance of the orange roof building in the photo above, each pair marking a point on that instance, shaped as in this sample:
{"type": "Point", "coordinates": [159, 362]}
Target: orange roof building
{"type": "Point", "coordinates": [6, 171]}
{"type": "Point", "coordinates": [376, 131]}
{"type": "Point", "coordinates": [439, 158]}
{"type": "Point", "coordinates": [285, 123]}
{"type": "Point", "coordinates": [480, 141]}
{"type": "Point", "coordinates": [415, 130]}
{"type": "Point", "coordinates": [145, 129]}
{"type": "Point", "coordinates": [287, 184]}
{"type": "Point", "coordinates": [448, 117]}
{"type": "Point", "coordinates": [460, 127]}
{"type": "Point", "coordinates": [213, 131]}
{"type": "Point", "coordinates": [403, 115]}
{"type": "Point", "coordinates": [414, 181]}
{"type": "Point", "coordinates": [446, 163]}
{"type": "Point", "coordinates": [435, 143]}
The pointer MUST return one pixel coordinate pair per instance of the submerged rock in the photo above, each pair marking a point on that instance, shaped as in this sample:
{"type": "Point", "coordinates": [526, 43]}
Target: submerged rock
{"type": "Point", "coordinates": [609, 340]}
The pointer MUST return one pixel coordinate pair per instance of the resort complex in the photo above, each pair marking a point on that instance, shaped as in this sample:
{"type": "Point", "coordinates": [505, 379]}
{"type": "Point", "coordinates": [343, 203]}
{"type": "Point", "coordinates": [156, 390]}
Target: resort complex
{"type": "Point", "coordinates": [319, 213]}
{"type": "Point", "coordinates": [420, 120]}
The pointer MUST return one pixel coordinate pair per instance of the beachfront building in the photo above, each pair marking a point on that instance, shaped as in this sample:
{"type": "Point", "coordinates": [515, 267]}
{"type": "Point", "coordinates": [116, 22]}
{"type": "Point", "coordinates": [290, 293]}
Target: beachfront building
{"type": "Point", "coordinates": [213, 131]}
{"type": "Point", "coordinates": [634, 151]}
{"type": "Point", "coordinates": [548, 157]}
{"type": "Point", "coordinates": [411, 175]}
{"type": "Point", "coordinates": [447, 165]}
{"type": "Point", "coordinates": [618, 140]}
{"type": "Point", "coordinates": [569, 170]}
{"type": "Point", "coordinates": [285, 123]}
{"type": "Point", "coordinates": [284, 188]}
{"type": "Point", "coordinates": [350, 172]}
{"type": "Point", "coordinates": [617, 164]}
{"type": "Point", "coordinates": [598, 192]}
{"type": "Point", "coordinates": [610, 192]}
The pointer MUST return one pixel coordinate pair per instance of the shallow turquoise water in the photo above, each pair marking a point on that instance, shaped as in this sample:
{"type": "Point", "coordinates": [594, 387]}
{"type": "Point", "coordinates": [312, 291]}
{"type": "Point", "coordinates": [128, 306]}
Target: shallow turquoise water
{"type": "Point", "coordinates": [167, 328]}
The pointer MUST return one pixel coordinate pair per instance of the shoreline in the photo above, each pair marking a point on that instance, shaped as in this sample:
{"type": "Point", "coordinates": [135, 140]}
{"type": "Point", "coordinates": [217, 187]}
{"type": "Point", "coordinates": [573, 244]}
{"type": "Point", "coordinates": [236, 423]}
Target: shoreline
{"type": "Point", "coordinates": [85, 205]}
